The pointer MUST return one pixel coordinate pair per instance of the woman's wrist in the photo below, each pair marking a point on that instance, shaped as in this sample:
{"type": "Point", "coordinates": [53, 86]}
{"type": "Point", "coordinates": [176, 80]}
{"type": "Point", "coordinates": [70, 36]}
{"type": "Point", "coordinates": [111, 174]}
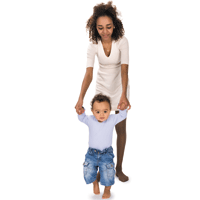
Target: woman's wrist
{"type": "Point", "coordinates": [123, 94]}
{"type": "Point", "coordinates": [80, 98]}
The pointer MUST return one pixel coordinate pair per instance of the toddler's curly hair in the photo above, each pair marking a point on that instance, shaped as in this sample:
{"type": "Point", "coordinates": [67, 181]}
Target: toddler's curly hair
{"type": "Point", "coordinates": [100, 98]}
{"type": "Point", "coordinates": [104, 10]}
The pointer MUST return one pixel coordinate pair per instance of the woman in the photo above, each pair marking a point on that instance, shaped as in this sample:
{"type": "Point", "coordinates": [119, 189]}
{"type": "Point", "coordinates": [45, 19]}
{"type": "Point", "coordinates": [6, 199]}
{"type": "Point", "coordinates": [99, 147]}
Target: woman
{"type": "Point", "coordinates": [106, 34]}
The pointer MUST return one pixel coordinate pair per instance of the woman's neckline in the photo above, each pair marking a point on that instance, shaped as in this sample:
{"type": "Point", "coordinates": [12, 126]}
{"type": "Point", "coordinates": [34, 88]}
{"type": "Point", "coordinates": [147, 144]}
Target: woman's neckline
{"type": "Point", "coordinates": [110, 49]}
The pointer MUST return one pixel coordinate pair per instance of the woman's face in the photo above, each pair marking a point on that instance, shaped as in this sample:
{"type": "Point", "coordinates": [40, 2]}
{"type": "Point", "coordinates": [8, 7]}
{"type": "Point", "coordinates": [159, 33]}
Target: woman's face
{"type": "Point", "coordinates": [105, 27]}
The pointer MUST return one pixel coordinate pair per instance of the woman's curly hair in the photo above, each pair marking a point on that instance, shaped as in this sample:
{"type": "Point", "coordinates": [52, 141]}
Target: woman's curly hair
{"type": "Point", "coordinates": [104, 10]}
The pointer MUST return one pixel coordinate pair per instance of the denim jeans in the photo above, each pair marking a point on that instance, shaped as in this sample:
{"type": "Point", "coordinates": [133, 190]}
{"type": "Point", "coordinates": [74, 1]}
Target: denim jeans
{"type": "Point", "coordinates": [103, 160]}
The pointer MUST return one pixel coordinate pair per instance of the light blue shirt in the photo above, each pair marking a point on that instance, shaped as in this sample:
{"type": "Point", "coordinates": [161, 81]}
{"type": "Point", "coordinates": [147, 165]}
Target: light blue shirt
{"type": "Point", "coordinates": [100, 133]}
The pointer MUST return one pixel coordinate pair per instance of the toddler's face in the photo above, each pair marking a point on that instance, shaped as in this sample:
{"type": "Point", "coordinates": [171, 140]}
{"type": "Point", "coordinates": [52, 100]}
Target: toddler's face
{"type": "Point", "coordinates": [101, 110]}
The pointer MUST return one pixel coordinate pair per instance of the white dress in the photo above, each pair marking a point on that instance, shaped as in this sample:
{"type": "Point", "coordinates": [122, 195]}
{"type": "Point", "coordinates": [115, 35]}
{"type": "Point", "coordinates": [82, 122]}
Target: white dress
{"type": "Point", "coordinates": [109, 73]}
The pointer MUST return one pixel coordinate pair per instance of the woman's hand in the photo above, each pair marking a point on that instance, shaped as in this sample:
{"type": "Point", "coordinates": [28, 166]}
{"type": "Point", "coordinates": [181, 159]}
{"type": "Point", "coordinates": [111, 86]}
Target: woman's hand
{"type": "Point", "coordinates": [78, 107]}
{"type": "Point", "coordinates": [124, 103]}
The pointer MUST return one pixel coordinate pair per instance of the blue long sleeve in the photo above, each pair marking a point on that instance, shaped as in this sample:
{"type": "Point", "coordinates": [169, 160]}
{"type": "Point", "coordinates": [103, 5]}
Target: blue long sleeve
{"type": "Point", "coordinates": [83, 118]}
{"type": "Point", "coordinates": [100, 134]}
{"type": "Point", "coordinates": [120, 116]}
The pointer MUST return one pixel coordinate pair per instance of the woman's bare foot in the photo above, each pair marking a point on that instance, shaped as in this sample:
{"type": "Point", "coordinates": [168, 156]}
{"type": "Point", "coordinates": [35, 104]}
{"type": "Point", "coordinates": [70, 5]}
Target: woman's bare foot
{"type": "Point", "coordinates": [122, 177]}
{"type": "Point", "coordinates": [96, 187]}
{"type": "Point", "coordinates": [106, 193]}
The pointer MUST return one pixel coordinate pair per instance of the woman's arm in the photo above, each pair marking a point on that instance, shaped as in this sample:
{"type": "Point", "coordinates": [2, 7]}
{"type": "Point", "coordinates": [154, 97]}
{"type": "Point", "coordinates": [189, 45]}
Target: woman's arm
{"type": "Point", "coordinates": [86, 82]}
{"type": "Point", "coordinates": [123, 99]}
{"type": "Point", "coordinates": [124, 74]}
{"type": "Point", "coordinates": [124, 48]}
{"type": "Point", "coordinates": [85, 85]}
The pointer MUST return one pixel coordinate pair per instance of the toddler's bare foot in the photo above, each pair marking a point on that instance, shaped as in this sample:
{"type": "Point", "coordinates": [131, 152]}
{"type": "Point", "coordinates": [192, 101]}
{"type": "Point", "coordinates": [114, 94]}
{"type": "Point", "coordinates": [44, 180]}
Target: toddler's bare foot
{"type": "Point", "coordinates": [122, 177]}
{"type": "Point", "coordinates": [96, 187]}
{"type": "Point", "coordinates": [106, 193]}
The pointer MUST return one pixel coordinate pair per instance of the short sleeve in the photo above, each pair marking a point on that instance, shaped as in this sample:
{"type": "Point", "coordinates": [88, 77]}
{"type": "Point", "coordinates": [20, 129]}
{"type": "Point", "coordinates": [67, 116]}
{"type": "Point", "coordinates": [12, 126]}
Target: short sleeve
{"type": "Point", "coordinates": [91, 51]}
{"type": "Point", "coordinates": [124, 49]}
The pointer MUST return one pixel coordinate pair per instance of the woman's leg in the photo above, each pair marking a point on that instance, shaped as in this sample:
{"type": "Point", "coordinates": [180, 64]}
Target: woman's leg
{"type": "Point", "coordinates": [98, 176]}
{"type": "Point", "coordinates": [121, 142]}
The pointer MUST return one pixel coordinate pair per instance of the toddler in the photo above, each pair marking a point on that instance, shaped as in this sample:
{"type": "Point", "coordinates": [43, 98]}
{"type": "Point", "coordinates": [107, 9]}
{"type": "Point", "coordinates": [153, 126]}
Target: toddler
{"type": "Point", "coordinates": [100, 152]}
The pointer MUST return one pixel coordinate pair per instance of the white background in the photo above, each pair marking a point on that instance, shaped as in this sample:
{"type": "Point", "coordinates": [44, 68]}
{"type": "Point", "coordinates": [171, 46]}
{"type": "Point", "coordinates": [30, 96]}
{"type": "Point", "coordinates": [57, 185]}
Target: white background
{"type": "Point", "coordinates": [43, 47]}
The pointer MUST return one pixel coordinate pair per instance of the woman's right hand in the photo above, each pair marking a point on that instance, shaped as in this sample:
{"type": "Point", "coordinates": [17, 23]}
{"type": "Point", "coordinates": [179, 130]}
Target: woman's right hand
{"type": "Point", "coordinates": [78, 107]}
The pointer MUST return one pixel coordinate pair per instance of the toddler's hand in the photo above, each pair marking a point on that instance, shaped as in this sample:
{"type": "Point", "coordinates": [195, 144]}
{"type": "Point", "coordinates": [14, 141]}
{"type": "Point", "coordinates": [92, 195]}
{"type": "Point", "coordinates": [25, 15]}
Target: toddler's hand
{"type": "Point", "coordinates": [123, 106]}
{"type": "Point", "coordinates": [81, 111]}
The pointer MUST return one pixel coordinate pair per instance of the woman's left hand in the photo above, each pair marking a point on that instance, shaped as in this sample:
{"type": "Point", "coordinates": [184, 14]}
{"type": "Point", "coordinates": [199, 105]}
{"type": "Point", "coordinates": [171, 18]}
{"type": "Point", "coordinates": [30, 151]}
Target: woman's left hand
{"type": "Point", "coordinates": [126, 102]}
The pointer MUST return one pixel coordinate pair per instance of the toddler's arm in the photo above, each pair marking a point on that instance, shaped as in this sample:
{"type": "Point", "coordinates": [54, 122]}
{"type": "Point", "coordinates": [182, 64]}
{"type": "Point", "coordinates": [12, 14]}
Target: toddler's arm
{"type": "Point", "coordinates": [120, 116]}
{"type": "Point", "coordinates": [83, 117]}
